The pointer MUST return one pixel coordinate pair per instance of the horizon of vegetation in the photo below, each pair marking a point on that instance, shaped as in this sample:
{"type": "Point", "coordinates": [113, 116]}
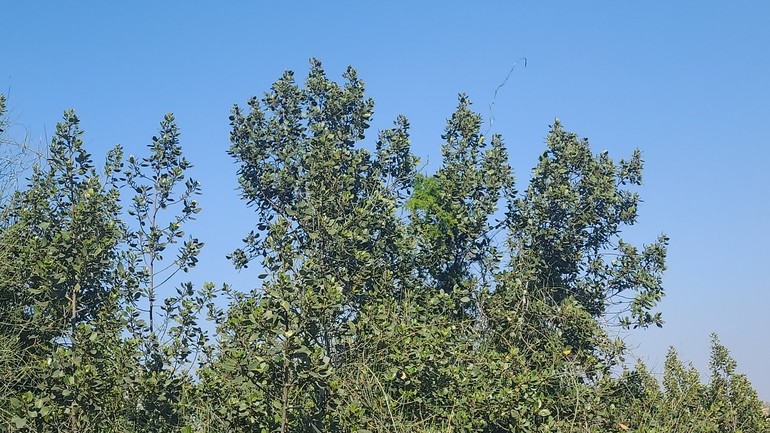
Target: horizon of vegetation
{"type": "Point", "coordinates": [389, 299]}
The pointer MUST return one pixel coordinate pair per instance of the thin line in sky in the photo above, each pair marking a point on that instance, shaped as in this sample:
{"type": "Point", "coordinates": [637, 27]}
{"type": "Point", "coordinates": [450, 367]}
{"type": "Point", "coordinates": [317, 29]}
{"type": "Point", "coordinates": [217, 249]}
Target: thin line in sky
{"type": "Point", "coordinates": [491, 114]}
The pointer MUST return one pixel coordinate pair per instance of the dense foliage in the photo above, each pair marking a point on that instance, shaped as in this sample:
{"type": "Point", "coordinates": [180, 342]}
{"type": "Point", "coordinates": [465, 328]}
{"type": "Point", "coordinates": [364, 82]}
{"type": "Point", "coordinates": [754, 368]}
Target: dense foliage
{"type": "Point", "coordinates": [385, 299]}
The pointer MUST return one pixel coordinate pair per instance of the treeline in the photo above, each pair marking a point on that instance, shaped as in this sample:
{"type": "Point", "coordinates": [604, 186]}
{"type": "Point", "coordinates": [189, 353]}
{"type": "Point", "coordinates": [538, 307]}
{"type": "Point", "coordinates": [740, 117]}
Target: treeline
{"type": "Point", "coordinates": [385, 300]}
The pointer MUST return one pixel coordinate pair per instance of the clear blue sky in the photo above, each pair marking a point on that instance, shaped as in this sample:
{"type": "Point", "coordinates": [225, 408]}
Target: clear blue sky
{"type": "Point", "coordinates": [686, 82]}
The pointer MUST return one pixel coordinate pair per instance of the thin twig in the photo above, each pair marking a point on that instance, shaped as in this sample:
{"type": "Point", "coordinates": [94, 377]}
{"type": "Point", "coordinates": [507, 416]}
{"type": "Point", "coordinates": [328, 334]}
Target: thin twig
{"type": "Point", "coordinates": [491, 104]}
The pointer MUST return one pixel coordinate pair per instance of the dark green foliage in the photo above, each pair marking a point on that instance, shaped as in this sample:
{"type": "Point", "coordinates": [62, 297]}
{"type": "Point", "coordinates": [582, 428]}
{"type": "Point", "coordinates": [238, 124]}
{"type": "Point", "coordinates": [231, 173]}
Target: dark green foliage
{"type": "Point", "coordinates": [727, 403]}
{"type": "Point", "coordinates": [332, 244]}
{"type": "Point", "coordinates": [451, 210]}
{"type": "Point", "coordinates": [82, 361]}
{"type": "Point", "coordinates": [61, 234]}
{"type": "Point", "coordinates": [567, 220]}
{"type": "Point", "coordinates": [65, 230]}
{"type": "Point", "coordinates": [386, 300]}
{"type": "Point", "coordinates": [357, 298]}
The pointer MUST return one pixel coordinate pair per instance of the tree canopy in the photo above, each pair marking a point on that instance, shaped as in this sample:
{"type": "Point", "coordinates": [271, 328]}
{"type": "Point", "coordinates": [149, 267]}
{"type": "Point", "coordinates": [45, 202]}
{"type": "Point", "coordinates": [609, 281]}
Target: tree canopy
{"type": "Point", "coordinates": [385, 299]}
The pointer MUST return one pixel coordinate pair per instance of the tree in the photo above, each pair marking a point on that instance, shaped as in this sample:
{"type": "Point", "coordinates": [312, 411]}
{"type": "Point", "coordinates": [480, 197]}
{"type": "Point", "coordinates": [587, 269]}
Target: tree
{"type": "Point", "coordinates": [451, 210]}
{"type": "Point", "coordinates": [167, 341]}
{"type": "Point", "coordinates": [730, 399]}
{"type": "Point", "coordinates": [154, 194]}
{"type": "Point", "coordinates": [727, 403]}
{"type": "Point", "coordinates": [87, 360]}
{"type": "Point", "coordinates": [387, 299]}
{"type": "Point", "coordinates": [357, 295]}
{"type": "Point", "coordinates": [566, 253]}
{"type": "Point", "coordinates": [59, 297]}
{"type": "Point", "coordinates": [68, 229]}
{"type": "Point", "coordinates": [332, 243]}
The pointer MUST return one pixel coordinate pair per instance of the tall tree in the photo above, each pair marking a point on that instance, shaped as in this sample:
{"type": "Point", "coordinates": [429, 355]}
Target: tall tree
{"type": "Point", "coordinates": [565, 248]}
{"type": "Point", "coordinates": [355, 292]}
{"type": "Point", "coordinates": [59, 297]}
{"type": "Point", "coordinates": [451, 211]}
{"type": "Point", "coordinates": [332, 241]}
{"type": "Point", "coordinates": [154, 181]}
{"type": "Point", "coordinates": [163, 328]}
{"type": "Point", "coordinates": [68, 229]}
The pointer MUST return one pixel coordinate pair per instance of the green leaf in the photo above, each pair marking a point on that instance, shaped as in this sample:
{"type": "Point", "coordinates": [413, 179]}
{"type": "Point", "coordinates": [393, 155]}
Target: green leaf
{"type": "Point", "coordinates": [19, 422]}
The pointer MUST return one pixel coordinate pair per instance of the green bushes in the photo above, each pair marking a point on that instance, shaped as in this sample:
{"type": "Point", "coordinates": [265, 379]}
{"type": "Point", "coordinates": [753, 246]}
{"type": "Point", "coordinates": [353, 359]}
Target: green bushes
{"type": "Point", "coordinates": [387, 300]}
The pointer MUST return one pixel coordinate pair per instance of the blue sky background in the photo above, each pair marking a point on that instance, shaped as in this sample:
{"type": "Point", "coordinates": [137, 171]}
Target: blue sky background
{"type": "Point", "coordinates": [685, 82]}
